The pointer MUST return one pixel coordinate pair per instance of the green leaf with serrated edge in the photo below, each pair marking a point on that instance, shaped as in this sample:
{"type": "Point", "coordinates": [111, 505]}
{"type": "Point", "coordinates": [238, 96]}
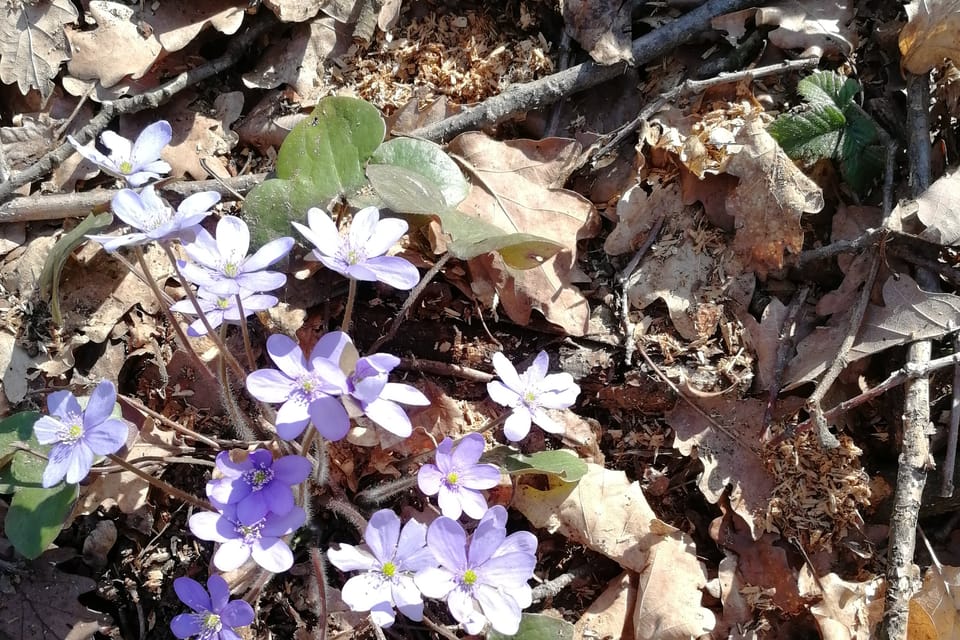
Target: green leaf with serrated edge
{"type": "Point", "coordinates": [561, 463]}
{"type": "Point", "coordinates": [321, 158]}
{"type": "Point", "coordinates": [36, 516]}
{"type": "Point", "coordinates": [827, 87]}
{"type": "Point", "coordinates": [50, 275]}
{"type": "Point", "coordinates": [536, 626]}
{"type": "Point", "coordinates": [811, 135]}
{"type": "Point", "coordinates": [17, 467]}
{"type": "Point", "coordinates": [429, 161]}
{"type": "Point", "coordinates": [407, 191]}
{"type": "Point", "coordinates": [861, 155]}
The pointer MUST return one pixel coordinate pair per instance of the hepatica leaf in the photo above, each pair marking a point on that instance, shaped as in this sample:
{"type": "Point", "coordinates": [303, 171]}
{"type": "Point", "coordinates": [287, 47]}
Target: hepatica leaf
{"type": "Point", "coordinates": [536, 626]}
{"type": "Point", "coordinates": [322, 158]}
{"type": "Point", "coordinates": [50, 275]}
{"type": "Point", "coordinates": [561, 463]}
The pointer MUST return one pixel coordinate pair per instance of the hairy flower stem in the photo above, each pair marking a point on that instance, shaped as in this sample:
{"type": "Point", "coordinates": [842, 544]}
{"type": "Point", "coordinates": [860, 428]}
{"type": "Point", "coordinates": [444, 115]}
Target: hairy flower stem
{"type": "Point", "coordinates": [348, 311]}
{"type": "Point", "coordinates": [320, 588]}
{"type": "Point", "coordinates": [160, 484]}
{"type": "Point", "coordinates": [386, 490]}
{"type": "Point", "coordinates": [227, 399]}
{"type": "Point", "coordinates": [178, 330]}
{"type": "Point", "coordinates": [246, 334]}
{"type": "Point", "coordinates": [321, 467]}
{"type": "Point", "coordinates": [234, 365]}
{"type": "Point", "coordinates": [347, 511]}
{"type": "Point", "coordinates": [255, 589]}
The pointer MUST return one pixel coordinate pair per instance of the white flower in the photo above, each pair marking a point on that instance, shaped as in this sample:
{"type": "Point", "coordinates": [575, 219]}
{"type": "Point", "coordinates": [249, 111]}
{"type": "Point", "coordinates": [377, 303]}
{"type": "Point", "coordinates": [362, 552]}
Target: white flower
{"type": "Point", "coordinates": [529, 393]}
{"type": "Point", "coordinates": [136, 162]}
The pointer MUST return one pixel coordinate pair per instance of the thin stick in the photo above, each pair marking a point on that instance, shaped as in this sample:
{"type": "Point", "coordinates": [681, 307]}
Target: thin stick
{"type": "Point", "coordinates": [415, 293]}
{"type": "Point", "coordinates": [950, 462]}
{"type": "Point", "coordinates": [160, 484]}
{"type": "Point", "coordinates": [786, 343]}
{"type": "Point", "coordinates": [164, 420]}
{"type": "Point", "coordinates": [445, 369]}
{"type": "Point", "coordinates": [625, 282]}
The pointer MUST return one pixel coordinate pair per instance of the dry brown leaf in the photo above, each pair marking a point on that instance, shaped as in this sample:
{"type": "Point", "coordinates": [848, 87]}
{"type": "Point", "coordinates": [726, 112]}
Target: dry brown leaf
{"type": "Point", "coordinates": [601, 28]}
{"type": "Point", "coordinates": [517, 187]}
{"type": "Point", "coordinates": [772, 195]}
{"type": "Point", "coordinates": [298, 60]}
{"type": "Point", "coordinates": [636, 214]}
{"type": "Point", "coordinates": [176, 24]}
{"type": "Point", "coordinates": [115, 49]}
{"type": "Point", "coordinates": [727, 456]}
{"type": "Point", "coordinates": [609, 514]}
{"type": "Point", "coordinates": [909, 314]}
{"type": "Point", "coordinates": [268, 123]}
{"type": "Point", "coordinates": [848, 610]}
{"type": "Point", "coordinates": [933, 610]}
{"type": "Point", "coordinates": [931, 35]}
{"type": "Point", "coordinates": [607, 617]}
{"type": "Point", "coordinates": [764, 337]}
{"type": "Point", "coordinates": [295, 10]}
{"type": "Point", "coordinates": [32, 43]}
{"type": "Point", "coordinates": [816, 28]}
{"type": "Point", "coordinates": [938, 208]}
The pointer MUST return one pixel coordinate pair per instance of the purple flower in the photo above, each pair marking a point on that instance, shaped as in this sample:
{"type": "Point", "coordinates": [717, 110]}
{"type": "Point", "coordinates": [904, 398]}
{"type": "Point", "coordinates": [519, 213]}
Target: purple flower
{"type": "Point", "coordinates": [388, 560]}
{"type": "Point", "coordinates": [359, 254]}
{"type": "Point", "coordinates": [154, 218]}
{"type": "Point", "coordinates": [219, 309]}
{"type": "Point", "coordinates": [77, 435]}
{"type": "Point", "coordinates": [456, 477]}
{"type": "Point", "coordinates": [306, 389]}
{"type": "Point", "coordinates": [484, 579]}
{"type": "Point", "coordinates": [365, 390]}
{"type": "Point", "coordinates": [262, 539]}
{"type": "Point", "coordinates": [258, 484]}
{"type": "Point", "coordinates": [222, 265]}
{"type": "Point", "coordinates": [214, 615]}
{"type": "Point", "coordinates": [529, 393]}
{"type": "Point", "coordinates": [136, 162]}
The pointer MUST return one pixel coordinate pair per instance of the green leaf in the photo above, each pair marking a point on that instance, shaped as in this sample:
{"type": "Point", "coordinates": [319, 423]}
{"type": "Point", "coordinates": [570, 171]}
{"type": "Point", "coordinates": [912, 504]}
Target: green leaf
{"type": "Point", "coordinates": [536, 626]}
{"type": "Point", "coordinates": [811, 135]}
{"type": "Point", "coordinates": [861, 154]}
{"type": "Point", "coordinates": [411, 191]}
{"type": "Point", "coordinates": [53, 265]}
{"type": "Point", "coordinates": [19, 468]}
{"type": "Point", "coordinates": [321, 159]}
{"type": "Point", "coordinates": [561, 463]}
{"type": "Point", "coordinates": [827, 87]}
{"type": "Point", "coordinates": [429, 161]}
{"type": "Point", "coordinates": [36, 515]}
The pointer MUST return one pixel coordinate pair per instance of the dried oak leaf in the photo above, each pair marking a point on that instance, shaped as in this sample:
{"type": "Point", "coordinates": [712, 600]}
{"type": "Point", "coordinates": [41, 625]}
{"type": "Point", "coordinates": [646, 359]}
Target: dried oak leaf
{"type": "Point", "coordinates": [818, 28]}
{"type": "Point", "coordinates": [764, 337]}
{"type": "Point", "coordinates": [32, 42]}
{"type": "Point", "coordinates": [609, 514]}
{"type": "Point", "coordinates": [848, 610]}
{"type": "Point", "coordinates": [938, 208]}
{"type": "Point", "coordinates": [298, 60]}
{"type": "Point", "coordinates": [636, 214]}
{"type": "Point", "coordinates": [609, 614]}
{"type": "Point", "coordinates": [909, 314]}
{"type": "Point", "coordinates": [935, 609]}
{"type": "Point", "coordinates": [43, 604]}
{"type": "Point", "coordinates": [518, 188]}
{"type": "Point", "coordinates": [601, 28]}
{"type": "Point", "coordinates": [931, 35]}
{"type": "Point", "coordinates": [176, 24]}
{"type": "Point", "coordinates": [772, 195]}
{"type": "Point", "coordinates": [115, 49]}
{"type": "Point", "coordinates": [726, 452]}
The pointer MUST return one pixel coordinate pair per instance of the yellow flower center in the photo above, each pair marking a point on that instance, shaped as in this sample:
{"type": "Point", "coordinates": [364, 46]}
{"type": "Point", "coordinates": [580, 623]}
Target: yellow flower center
{"type": "Point", "coordinates": [452, 477]}
{"type": "Point", "coordinates": [126, 167]}
{"type": "Point", "coordinates": [389, 569]}
{"type": "Point", "coordinates": [469, 577]}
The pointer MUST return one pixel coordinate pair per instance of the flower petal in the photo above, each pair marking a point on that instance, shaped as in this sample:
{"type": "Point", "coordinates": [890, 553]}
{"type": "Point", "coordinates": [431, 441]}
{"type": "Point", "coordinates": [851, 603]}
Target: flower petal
{"type": "Point", "coordinates": [185, 625]}
{"type": "Point", "coordinates": [231, 555]}
{"type": "Point", "coordinates": [79, 462]}
{"type": "Point", "coordinates": [463, 608]}
{"type": "Point", "coordinates": [198, 203]}
{"type": "Point", "coordinates": [545, 422]}
{"type": "Point", "coordinates": [502, 394]}
{"type": "Point", "coordinates": [394, 271]}
{"type": "Point", "coordinates": [429, 478]}
{"type": "Point", "coordinates": [150, 143]}
{"type": "Point", "coordinates": [449, 502]}
{"type": "Point", "coordinates": [517, 425]}
{"type": "Point", "coordinates": [347, 557]}
{"type": "Point", "coordinates": [56, 469]}
{"type": "Point", "coordinates": [287, 355]}
{"type": "Point", "coordinates": [382, 534]}
{"type": "Point", "coordinates": [130, 207]}
{"type": "Point", "coordinates": [386, 233]}
{"type": "Point", "coordinates": [390, 416]}
{"type": "Point", "coordinates": [278, 524]}
{"type": "Point", "coordinates": [120, 148]}
{"type": "Point", "coordinates": [448, 541]}
{"type": "Point", "coordinates": [322, 233]}
{"type": "Point", "coordinates": [192, 594]}
{"type": "Point", "coordinates": [500, 609]}
{"type": "Point", "coordinates": [413, 538]}
{"type": "Point", "coordinates": [254, 507]}
{"type": "Point", "coordinates": [269, 385]}
{"type": "Point", "coordinates": [468, 451]}
{"type": "Point", "coordinates": [537, 371]}
{"type": "Point", "coordinates": [272, 554]}
{"type": "Point", "coordinates": [107, 437]}
{"type": "Point", "coordinates": [238, 613]}
{"type": "Point", "coordinates": [480, 476]}
{"type": "Point", "coordinates": [211, 526]}
{"type": "Point", "coordinates": [203, 250]}
{"type": "Point", "coordinates": [507, 372]}
{"type": "Point", "coordinates": [261, 280]}
{"type": "Point", "coordinates": [404, 394]}
{"type": "Point", "coordinates": [292, 419]}
{"type": "Point", "coordinates": [219, 592]}
{"type": "Point", "coordinates": [362, 227]}
{"type": "Point", "coordinates": [100, 405]}
{"type": "Point", "coordinates": [435, 582]}
{"type": "Point", "coordinates": [329, 418]}
{"type": "Point", "coordinates": [233, 237]}
{"type": "Point", "coordinates": [47, 430]}
{"type": "Point", "coordinates": [488, 536]}
{"type": "Point", "coordinates": [363, 591]}
{"type": "Point", "coordinates": [272, 252]}
{"type": "Point", "coordinates": [291, 470]}
{"type": "Point", "coordinates": [473, 503]}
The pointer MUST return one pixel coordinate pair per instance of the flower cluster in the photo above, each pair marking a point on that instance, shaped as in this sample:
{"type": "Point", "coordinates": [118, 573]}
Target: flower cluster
{"type": "Point", "coordinates": [480, 571]}
{"type": "Point", "coordinates": [482, 577]}
{"type": "Point", "coordinates": [255, 510]}
{"type": "Point", "coordinates": [320, 391]}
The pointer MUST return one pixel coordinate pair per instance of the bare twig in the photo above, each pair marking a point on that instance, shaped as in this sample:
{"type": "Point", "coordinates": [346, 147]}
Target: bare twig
{"type": "Point", "coordinates": [412, 297]}
{"type": "Point", "coordinates": [160, 484]}
{"type": "Point", "coordinates": [445, 369]}
{"type": "Point", "coordinates": [785, 345]}
{"type": "Point", "coordinates": [950, 461]}
{"type": "Point", "coordinates": [625, 281]}
{"type": "Point", "coordinates": [915, 450]}
{"type": "Point", "coordinates": [555, 586]}
{"type": "Point", "coordinates": [237, 46]}
{"type": "Point", "coordinates": [521, 98]}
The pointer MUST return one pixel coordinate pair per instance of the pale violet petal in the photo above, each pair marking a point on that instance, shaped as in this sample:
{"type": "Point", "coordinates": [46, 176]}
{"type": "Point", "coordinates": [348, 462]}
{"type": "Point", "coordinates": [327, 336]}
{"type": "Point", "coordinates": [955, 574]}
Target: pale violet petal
{"type": "Point", "coordinates": [386, 233]}
{"type": "Point", "coordinates": [268, 254]}
{"type": "Point", "coordinates": [394, 271]}
{"type": "Point", "coordinates": [545, 422]}
{"type": "Point", "coordinates": [363, 591]}
{"type": "Point", "coordinates": [390, 416]}
{"type": "Point", "coordinates": [507, 372]}
{"type": "Point", "coordinates": [435, 582]}
{"type": "Point", "coordinates": [500, 609]}
{"type": "Point", "coordinates": [350, 558]}
{"type": "Point", "coordinates": [362, 226]}
{"type": "Point", "coordinates": [272, 554]}
{"type": "Point", "coordinates": [404, 394]}
{"type": "Point", "coordinates": [467, 451]}
{"type": "Point", "coordinates": [517, 425]}
{"type": "Point", "coordinates": [429, 479]}
{"type": "Point", "coordinates": [382, 534]}
{"type": "Point", "coordinates": [150, 143]}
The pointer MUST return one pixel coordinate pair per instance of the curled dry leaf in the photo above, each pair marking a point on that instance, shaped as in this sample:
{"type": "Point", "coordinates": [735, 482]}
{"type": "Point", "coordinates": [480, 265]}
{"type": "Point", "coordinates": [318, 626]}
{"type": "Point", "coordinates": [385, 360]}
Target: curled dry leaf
{"type": "Point", "coordinates": [609, 614]}
{"type": "Point", "coordinates": [197, 135]}
{"type": "Point", "coordinates": [772, 195]}
{"type": "Point", "coordinates": [601, 28]}
{"type": "Point", "coordinates": [931, 35]}
{"type": "Point", "coordinates": [32, 43]}
{"type": "Point", "coordinates": [517, 187]}
{"type": "Point", "coordinates": [609, 514]}
{"type": "Point", "coordinates": [637, 213]}
{"type": "Point", "coordinates": [817, 28]}
{"type": "Point", "coordinates": [938, 208]}
{"type": "Point", "coordinates": [764, 337]}
{"type": "Point", "coordinates": [176, 24]}
{"type": "Point", "coordinates": [935, 609]}
{"type": "Point", "coordinates": [115, 49]}
{"type": "Point", "coordinates": [848, 610]}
